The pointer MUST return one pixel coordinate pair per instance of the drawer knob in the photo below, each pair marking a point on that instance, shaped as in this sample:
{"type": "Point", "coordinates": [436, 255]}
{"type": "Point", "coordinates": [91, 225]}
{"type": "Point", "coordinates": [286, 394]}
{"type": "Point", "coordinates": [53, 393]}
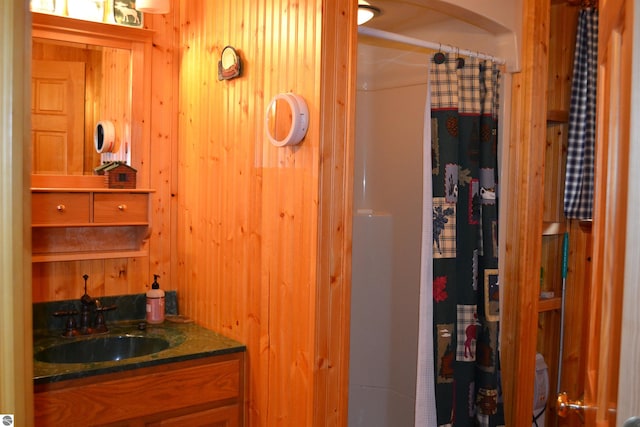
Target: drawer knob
{"type": "Point", "coordinates": [61, 208]}
{"type": "Point", "coordinates": [122, 207]}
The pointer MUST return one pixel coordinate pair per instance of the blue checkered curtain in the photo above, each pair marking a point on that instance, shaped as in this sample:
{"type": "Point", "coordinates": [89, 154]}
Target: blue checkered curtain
{"type": "Point", "coordinates": [578, 190]}
{"type": "Point", "coordinates": [464, 138]}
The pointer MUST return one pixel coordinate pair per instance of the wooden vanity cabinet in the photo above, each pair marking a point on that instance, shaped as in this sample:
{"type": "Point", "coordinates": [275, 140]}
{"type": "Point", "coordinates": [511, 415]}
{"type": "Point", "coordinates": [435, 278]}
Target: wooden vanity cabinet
{"type": "Point", "coordinates": [73, 224]}
{"type": "Point", "coordinates": [200, 392]}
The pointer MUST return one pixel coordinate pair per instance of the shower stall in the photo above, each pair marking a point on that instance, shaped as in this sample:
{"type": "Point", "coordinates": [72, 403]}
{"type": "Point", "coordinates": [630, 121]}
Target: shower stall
{"type": "Point", "coordinates": [387, 223]}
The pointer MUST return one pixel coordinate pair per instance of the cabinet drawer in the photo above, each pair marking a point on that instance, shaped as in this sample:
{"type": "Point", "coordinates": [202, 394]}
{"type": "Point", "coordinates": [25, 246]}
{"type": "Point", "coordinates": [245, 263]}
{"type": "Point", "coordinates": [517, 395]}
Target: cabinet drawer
{"type": "Point", "coordinates": [226, 416]}
{"type": "Point", "coordinates": [60, 208]}
{"type": "Point", "coordinates": [120, 208]}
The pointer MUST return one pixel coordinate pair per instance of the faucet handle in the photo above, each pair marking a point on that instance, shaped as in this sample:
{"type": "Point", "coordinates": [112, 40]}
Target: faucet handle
{"type": "Point", "coordinates": [70, 329]}
{"type": "Point", "coordinates": [105, 308]}
{"type": "Point", "coordinates": [100, 325]}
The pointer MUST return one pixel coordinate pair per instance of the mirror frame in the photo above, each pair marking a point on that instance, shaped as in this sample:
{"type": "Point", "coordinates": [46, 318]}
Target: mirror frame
{"type": "Point", "coordinates": [299, 119]}
{"type": "Point", "coordinates": [139, 42]}
{"type": "Point", "coordinates": [232, 71]}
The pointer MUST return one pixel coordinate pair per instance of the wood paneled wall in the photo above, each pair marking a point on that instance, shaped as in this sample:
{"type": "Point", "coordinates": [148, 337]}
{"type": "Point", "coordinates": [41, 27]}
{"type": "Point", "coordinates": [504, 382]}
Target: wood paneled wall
{"type": "Point", "coordinates": [154, 151]}
{"type": "Point", "coordinates": [562, 39]}
{"type": "Point", "coordinates": [255, 238]}
{"type": "Point", "coordinates": [264, 232]}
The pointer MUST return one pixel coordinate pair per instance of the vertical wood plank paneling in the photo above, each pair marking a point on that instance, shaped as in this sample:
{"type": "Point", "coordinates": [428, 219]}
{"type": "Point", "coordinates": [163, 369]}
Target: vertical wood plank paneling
{"type": "Point", "coordinates": [525, 172]}
{"type": "Point", "coordinates": [563, 24]}
{"type": "Point", "coordinates": [162, 156]}
{"type": "Point", "coordinates": [249, 257]}
{"type": "Point", "coordinates": [249, 212]}
{"type": "Point", "coordinates": [576, 308]}
{"type": "Point", "coordinates": [562, 39]}
{"type": "Point", "coordinates": [339, 43]}
{"type": "Point", "coordinates": [562, 35]}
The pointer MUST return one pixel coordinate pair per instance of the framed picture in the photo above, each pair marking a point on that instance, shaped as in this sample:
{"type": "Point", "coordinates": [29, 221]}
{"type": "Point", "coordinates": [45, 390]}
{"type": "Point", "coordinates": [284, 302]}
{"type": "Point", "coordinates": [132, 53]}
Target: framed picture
{"type": "Point", "coordinates": [491, 295]}
{"type": "Point", "coordinates": [124, 13]}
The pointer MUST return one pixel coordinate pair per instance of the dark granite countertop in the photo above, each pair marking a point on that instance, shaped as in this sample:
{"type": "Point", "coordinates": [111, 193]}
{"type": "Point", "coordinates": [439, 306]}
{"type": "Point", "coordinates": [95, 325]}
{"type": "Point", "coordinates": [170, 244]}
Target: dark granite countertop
{"type": "Point", "coordinates": [187, 341]}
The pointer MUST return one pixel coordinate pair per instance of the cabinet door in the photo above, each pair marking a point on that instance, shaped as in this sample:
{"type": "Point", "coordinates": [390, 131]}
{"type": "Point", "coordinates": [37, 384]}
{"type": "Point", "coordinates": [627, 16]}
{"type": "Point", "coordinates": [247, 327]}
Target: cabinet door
{"type": "Point", "coordinates": [226, 416]}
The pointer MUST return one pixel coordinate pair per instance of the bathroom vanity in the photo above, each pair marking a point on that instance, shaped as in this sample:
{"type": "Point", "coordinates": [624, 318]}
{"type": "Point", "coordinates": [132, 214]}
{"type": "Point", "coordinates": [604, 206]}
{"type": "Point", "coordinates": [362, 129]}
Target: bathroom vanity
{"type": "Point", "coordinates": [197, 380]}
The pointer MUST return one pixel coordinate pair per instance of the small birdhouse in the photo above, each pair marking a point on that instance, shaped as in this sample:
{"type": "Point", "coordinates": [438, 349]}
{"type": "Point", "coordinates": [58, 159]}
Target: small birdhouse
{"type": "Point", "coordinates": [117, 174]}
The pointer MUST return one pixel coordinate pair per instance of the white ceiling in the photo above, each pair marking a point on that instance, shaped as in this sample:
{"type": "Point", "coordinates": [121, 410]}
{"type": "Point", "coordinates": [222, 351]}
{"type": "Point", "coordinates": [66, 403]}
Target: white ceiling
{"type": "Point", "coordinates": [382, 64]}
{"type": "Point", "coordinates": [401, 15]}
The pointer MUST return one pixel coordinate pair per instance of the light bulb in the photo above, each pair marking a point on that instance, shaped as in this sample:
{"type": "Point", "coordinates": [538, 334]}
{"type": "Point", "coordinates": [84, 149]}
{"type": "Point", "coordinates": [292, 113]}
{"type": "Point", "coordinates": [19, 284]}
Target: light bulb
{"type": "Point", "coordinates": [153, 6]}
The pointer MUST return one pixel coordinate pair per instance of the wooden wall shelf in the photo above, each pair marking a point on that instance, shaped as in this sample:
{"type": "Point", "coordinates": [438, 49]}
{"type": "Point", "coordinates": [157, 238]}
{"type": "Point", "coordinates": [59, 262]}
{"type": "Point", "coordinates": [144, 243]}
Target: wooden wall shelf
{"type": "Point", "coordinates": [553, 228]}
{"type": "Point", "coordinates": [70, 224]}
{"type": "Point", "coordinates": [549, 304]}
{"type": "Point", "coordinates": [82, 256]}
{"type": "Point", "coordinates": [558, 116]}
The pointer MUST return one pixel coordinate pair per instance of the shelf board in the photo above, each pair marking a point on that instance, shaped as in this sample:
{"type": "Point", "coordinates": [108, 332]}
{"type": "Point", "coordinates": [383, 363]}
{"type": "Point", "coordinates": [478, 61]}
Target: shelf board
{"type": "Point", "coordinates": [549, 304]}
{"type": "Point", "coordinates": [585, 225]}
{"type": "Point", "coordinates": [553, 228]}
{"type": "Point", "coordinates": [92, 224]}
{"type": "Point", "coordinates": [558, 116]}
{"type": "Point", "coordinates": [79, 256]}
{"type": "Point", "coordinates": [90, 190]}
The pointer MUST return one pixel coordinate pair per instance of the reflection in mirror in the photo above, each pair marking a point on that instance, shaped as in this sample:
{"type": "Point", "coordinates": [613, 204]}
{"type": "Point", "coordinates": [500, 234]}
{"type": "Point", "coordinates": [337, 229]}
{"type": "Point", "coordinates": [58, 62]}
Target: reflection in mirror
{"type": "Point", "coordinates": [279, 119]}
{"type": "Point", "coordinates": [110, 82]}
{"type": "Point", "coordinates": [229, 65]}
{"type": "Point", "coordinates": [74, 86]}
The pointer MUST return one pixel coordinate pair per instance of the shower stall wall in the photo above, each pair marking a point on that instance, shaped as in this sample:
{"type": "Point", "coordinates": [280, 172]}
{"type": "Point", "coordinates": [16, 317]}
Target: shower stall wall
{"type": "Point", "coordinates": [386, 255]}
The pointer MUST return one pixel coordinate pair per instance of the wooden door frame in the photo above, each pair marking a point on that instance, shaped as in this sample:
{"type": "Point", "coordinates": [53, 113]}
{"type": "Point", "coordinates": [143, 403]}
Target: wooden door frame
{"type": "Point", "coordinates": [16, 349]}
{"type": "Point", "coordinates": [337, 140]}
{"type": "Point", "coordinates": [524, 178]}
{"type": "Point", "coordinates": [629, 383]}
{"type": "Point", "coordinates": [611, 384]}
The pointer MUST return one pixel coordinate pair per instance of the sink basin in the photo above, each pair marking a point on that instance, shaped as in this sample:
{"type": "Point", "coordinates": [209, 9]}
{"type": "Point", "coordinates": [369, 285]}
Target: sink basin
{"type": "Point", "coordinates": [102, 349]}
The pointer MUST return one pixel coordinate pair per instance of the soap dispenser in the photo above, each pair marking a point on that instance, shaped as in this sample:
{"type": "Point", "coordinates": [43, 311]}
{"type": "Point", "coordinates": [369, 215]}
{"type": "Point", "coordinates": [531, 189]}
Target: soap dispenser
{"type": "Point", "coordinates": [155, 302]}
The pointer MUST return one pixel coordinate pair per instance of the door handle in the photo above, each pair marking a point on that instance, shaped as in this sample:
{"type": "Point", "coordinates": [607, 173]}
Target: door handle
{"type": "Point", "coordinates": [564, 406]}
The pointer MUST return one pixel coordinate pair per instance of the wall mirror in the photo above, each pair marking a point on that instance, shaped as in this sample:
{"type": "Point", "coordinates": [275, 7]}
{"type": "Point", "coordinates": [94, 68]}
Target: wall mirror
{"type": "Point", "coordinates": [287, 119]}
{"type": "Point", "coordinates": [84, 73]}
{"type": "Point", "coordinates": [230, 65]}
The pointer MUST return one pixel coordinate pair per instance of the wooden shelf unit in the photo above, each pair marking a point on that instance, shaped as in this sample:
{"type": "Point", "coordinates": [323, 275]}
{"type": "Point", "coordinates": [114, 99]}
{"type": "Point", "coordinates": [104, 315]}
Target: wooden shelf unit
{"type": "Point", "coordinates": [89, 223]}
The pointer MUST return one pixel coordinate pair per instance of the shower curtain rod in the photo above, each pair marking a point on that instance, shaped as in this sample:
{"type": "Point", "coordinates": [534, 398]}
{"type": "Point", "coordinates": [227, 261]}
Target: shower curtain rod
{"type": "Point", "coordinates": [386, 35]}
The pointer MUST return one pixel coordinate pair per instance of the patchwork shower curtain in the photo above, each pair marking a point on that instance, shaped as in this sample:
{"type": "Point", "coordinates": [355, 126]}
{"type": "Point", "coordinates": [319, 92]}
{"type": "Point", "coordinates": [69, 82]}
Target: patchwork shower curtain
{"type": "Point", "coordinates": [464, 109]}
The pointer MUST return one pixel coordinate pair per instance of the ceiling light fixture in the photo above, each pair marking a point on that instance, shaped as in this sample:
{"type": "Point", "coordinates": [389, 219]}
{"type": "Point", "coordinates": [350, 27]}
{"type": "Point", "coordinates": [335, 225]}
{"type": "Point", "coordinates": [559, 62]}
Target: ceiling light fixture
{"type": "Point", "coordinates": [366, 12]}
{"type": "Point", "coordinates": [153, 6]}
